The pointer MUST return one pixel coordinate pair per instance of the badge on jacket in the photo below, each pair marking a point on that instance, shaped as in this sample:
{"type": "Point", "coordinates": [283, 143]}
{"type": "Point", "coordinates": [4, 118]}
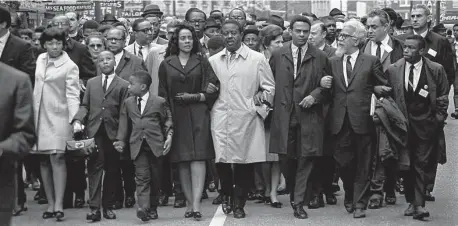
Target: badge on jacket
{"type": "Point", "coordinates": [423, 93]}
{"type": "Point", "coordinates": [432, 52]}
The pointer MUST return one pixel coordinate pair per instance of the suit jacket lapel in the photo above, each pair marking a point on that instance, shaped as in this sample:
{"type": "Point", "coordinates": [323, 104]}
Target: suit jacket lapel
{"type": "Point", "coordinates": [340, 73]}
{"type": "Point", "coordinates": [149, 102]}
{"type": "Point", "coordinates": [368, 49]}
{"type": "Point", "coordinates": [112, 84]}
{"type": "Point", "coordinates": [401, 79]}
{"type": "Point", "coordinates": [191, 64]}
{"type": "Point", "coordinates": [122, 63]}
{"type": "Point", "coordinates": [9, 45]}
{"type": "Point", "coordinates": [175, 63]}
{"type": "Point", "coordinates": [358, 64]}
{"type": "Point", "coordinates": [385, 53]}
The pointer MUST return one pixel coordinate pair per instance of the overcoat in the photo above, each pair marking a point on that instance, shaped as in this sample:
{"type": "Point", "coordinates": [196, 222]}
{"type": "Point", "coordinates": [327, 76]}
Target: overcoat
{"type": "Point", "coordinates": [237, 129]}
{"type": "Point", "coordinates": [56, 101]}
{"type": "Point", "coordinates": [315, 65]}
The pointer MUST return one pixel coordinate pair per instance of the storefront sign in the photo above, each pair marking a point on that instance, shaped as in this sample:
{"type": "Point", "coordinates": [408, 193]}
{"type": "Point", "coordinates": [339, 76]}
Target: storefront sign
{"type": "Point", "coordinates": [68, 7]}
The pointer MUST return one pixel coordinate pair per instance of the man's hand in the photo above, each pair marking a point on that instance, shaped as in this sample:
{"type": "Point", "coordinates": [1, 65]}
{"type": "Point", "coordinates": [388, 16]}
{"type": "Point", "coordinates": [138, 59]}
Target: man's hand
{"type": "Point", "coordinates": [211, 88]}
{"type": "Point", "coordinates": [82, 87]}
{"type": "Point", "coordinates": [77, 127]}
{"type": "Point", "coordinates": [382, 90]}
{"type": "Point", "coordinates": [167, 145]}
{"type": "Point", "coordinates": [307, 102]}
{"type": "Point", "coordinates": [326, 82]}
{"type": "Point", "coordinates": [119, 146]}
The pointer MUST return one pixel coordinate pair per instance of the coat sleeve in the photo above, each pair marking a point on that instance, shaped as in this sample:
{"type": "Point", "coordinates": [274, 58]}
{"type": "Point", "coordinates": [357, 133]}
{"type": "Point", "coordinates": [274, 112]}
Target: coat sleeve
{"type": "Point", "coordinates": [163, 87]}
{"type": "Point", "coordinates": [83, 110]}
{"type": "Point", "coordinates": [167, 121]}
{"type": "Point", "coordinates": [266, 80]}
{"type": "Point", "coordinates": [442, 88]}
{"type": "Point", "coordinates": [209, 77]}
{"type": "Point", "coordinates": [125, 124]}
{"type": "Point", "coordinates": [28, 61]}
{"type": "Point", "coordinates": [22, 136]}
{"type": "Point", "coordinates": [72, 92]}
{"type": "Point", "coordinates": [319, 93]}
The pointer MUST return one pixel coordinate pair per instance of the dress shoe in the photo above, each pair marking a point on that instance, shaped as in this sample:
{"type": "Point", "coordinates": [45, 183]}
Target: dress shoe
{"type": "Point", "coordinates": [47, 215]}
{"type": "Point", "coordinates": [454, 114]}
{"type": "Point", "coordinates": [239, 213]}
{"type": "Point", "coordinates": [94, 215]}
{"type": "Point", "coordinates": [375, 204]}
{"type": "Point", "coordinates": [153, 214]}
{"type": "Point", "coordinates": [359, 213]}
{"type": "Point", "coordinates": [117, 205]}
{"type": "Point", "coordinates": [227, 204]}
{"type": "Point", "coordinates": [19, 209]}
{"type": "Point", "coordinates": [143, 215]}
{"type": "Point", "coordinates": [179, 203]}
{"type": "Point", "coordinates": [59, 215]}
{"type": "Point", "coordinates": [43, 200]}
{"type": "Point", "coordinates": [79, 202]}
{"type": "Point", "coordinates": [218, 200]}
{"type": "Point", "coordinates": [314, 203]}
{"type": "Point", "coordinates": [390, 199]}
{"type": "Point", "coordinates": [211, 186]}
{"type": "Point", "coordinates": [163, 200]}
{"type": "Point", "coordinates": [109, 214]}
{"type": "Point", "coordinates": [188, 214]}
{"type": "Point", "coordinates": [129, 202]}
{"type": "Point", "coordinates": [331, 199]}
{"type": "Point", "coordinates": [204, 195]}
{"type": "Point", "coordinates": [429, 197]}
{"type": "Point", "coordinates": [409, 211]}
{"type": "Point", "coordinates": [349, 206]}
{"type": "Point", "coordinates": [420, 213]}
{"type": "Point", "coordinates": [299, 212]}
{"type": "Point", "coordinates": [197, 216]}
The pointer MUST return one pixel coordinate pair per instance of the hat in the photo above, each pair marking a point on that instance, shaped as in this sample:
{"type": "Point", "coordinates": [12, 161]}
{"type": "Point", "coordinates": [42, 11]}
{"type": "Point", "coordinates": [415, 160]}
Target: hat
{"type": "Point", "coordinates": [211, 23]}
{"type": "Point", "coordinates": [439, 27]}
{"type": "Point", "coordinates": [90, 24]}
{"type": "Point", "coordinates": [109, 18]}
{"type": "Point", "coordinates": [277, 20]}
{"type": "Point", "coordinates": [407, 23]}
{"type": "Point", "coordinates": [251, 29]}
{"type": "Point", "coordinates": [336, 12]}
{"type": "Point", "coordinates": [152, 9]}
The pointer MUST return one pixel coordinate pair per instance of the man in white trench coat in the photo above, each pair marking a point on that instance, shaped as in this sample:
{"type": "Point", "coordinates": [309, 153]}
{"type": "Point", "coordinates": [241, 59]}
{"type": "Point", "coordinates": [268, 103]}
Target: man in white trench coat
{"type": "Point", "coordinates": [237, 118]}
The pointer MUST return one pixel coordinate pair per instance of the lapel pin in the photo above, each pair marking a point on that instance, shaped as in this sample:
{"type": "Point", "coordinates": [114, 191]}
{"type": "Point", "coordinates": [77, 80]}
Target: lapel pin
{"type": "Point", "coordinates": [426, 86]}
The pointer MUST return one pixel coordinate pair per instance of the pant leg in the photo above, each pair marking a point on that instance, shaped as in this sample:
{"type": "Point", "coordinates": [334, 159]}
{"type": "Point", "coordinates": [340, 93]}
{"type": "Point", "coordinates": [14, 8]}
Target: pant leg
{"type": "Point", "coordinates": [128, 177]}
{"type": "Point", "coordinates": [95, 174]}
{"type": "Point", "coordinates": [344, 156]}
{"type": "Point", "coordinates": [156, 171]}
{"type": "Point", "coordinates": [243, 181]}
{"type": "Point", "coordinates": [364, 157]}
{"type": "Point", "coordinates": [21, 196]}
{"type": "Point", "coordinates": [420, 156]}
{"type": "Point", "coordinates": [112, 178]}
{"type": "Point", "coordinates": [226, 178]}
{"type": "Point", "coordinates": [378, 179]}
{"type": "Point", "coordinates": [303, 172]}
{"type": "Point", "coordinates": [166, 178]}
{"type": "Point", "coordinates": [288, 168]}
{"type": "Point", "coordinates": [329, 169]}
{"type": "Point", "coordinates": [259, 180]}
{"type": "Point", "coordinates": [143, 178]}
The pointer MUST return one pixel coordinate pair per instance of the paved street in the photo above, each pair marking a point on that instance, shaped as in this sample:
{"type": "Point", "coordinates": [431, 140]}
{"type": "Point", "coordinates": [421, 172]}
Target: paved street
{"type": "Point", "coordinates": [444, 211]}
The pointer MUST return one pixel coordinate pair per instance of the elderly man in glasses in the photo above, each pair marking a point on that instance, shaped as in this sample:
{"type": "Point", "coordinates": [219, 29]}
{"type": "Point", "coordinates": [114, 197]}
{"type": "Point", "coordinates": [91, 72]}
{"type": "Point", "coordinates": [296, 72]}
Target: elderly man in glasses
{"type": "Point", "coordinates": [355, 76]}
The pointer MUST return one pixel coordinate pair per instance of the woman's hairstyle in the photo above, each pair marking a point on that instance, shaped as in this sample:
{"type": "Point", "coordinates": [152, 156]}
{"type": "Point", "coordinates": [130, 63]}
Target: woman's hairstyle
{"type": "Point", "coordinates": [26, 31]}
{"type": "Point", "coordinates": [95, 35]}
{"type": "Point", "coordinates": [269, 33]}
{"type": "Point", "coordinates": [53, 33]}
{"type": "Point", "coordinates": [173, 48]}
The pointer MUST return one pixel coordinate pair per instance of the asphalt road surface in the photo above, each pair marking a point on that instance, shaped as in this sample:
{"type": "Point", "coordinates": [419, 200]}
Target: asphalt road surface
{"type": "Point", "coordinates": [444, 211]}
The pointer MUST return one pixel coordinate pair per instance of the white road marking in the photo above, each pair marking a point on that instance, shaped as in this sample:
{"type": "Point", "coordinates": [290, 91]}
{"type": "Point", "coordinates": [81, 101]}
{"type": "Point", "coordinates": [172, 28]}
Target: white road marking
{"type": "Point", "coordinates": [219, 218]}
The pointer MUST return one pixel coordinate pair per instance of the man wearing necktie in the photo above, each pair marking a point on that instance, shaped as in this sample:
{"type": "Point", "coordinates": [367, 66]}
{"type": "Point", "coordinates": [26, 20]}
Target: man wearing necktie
{"type": "Point", "coordinates": [297, 118]}
{"type": "Point", "coordinates": [99, 112]}
{"type": "Point", "coordinates": [356, 76]}
{"type": "Point", "coordinates": [143, 31]}
{"type": "Point", "coordinates": [388, 50]}
{"type": "Point", "coordinates": [420, 89]}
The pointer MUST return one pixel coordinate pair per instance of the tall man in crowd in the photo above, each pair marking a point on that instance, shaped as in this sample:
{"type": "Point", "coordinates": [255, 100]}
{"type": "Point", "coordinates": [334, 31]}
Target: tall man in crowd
{"type": "Point", "coordinates": [143, 31]}
{"type": "Point", "coordinates": [79, 54]}
{"type": "Point", "coordinates": [388, 50]}
{"type": "Point", "coordinates": [237, 118]}
{"type": "Point", "coordinates": [420, 89]}
{"type": "Point", "coordinates": [298, 120]}
{"type": "Point", "coordinates": [355, 77]}
{"type": "Point", "coordinates": [74, 31]}
{"type": "Point", "coordinates": [153, 14]}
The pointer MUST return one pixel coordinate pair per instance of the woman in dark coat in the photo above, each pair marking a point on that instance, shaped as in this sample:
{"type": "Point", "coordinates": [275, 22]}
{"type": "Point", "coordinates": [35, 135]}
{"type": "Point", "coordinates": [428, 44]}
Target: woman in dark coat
{"type": "Point", "coordinates": [188, 82]}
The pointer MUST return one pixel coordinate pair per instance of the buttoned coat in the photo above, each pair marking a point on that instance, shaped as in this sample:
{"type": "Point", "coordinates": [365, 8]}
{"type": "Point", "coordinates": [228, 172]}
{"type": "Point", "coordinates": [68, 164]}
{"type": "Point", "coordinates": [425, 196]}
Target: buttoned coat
{"type": "Point", "coordinates": [128, 64]}
{"type": "Point", "coordinates": [17, 133]}
{"type": "Point", "coordinates": [314, 66]}
{"type": "Point", "coordinates": [152, 63]}
{"type": "Point", "coordinates": [152, 126]}
{"type": "Point", "coordinates": [56, 101]}
{"type": "Point", "coordinates": [98, 107]}
{"type": "Point", "coordinates": [237, 129]}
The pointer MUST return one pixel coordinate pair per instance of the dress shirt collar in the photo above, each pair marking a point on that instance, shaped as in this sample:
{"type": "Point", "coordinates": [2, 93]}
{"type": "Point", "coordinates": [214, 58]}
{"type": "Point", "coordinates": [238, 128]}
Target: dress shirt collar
{"type": "Point", "coordinates": [72, 35]}
{"type": "Point", "coordinates": [322, 46]}
{"type": "Point", "coordinates": [138, 45]}
{"type": "Point", "coordinates": [354, 56]}
{"type": "Point", "coordinates": [118, 57]}
{"type": "Point", "coordinates": [417, 66]}
{"type": "Point", "coordinates": [422, 34]}
{"type": "Point", "coordinates": [5, 37]}
{"type": "Point", "coordinates": [155, 40]}
{"type": "Point", "coordinates": [110, 76]}
{"type": "Point", "coordinates": [144, 97]}
{"type": "Point", "coordinates": [242, 51]}
{"type": "Point", "coordinates": [294, 48]}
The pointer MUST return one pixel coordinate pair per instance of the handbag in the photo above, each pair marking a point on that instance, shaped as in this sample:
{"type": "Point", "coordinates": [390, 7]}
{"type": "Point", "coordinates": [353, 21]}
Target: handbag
{"type": "Point", "coordinates": [80, 148]}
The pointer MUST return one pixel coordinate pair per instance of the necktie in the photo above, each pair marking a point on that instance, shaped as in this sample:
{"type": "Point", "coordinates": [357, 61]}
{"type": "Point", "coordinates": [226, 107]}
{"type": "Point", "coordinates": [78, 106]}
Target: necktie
{"type": "Point", "coordinates": [378, 51]}
{"type": "Point", "coordinates": [105, 82]}
{"type": "Point", "coordinates": [139, 104]}
{"type": "Point", "coordinates": [232, 58]}
{"type": "Point", "coordinates": [410, 86]}
{"type": "Point", "coordinates": [299, 61]}
{"type": "Point", "coordinates": [140, 53]}
{"type": "Point", "coordinates": [348, 68]}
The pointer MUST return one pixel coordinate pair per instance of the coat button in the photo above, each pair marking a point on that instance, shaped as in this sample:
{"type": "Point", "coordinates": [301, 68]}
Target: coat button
{"type": "Point", "coordinates": [103, 108]}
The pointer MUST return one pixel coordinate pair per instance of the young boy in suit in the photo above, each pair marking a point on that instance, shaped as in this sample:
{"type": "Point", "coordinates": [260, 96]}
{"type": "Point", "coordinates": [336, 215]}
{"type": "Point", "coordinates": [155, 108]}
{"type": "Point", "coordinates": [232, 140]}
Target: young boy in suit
{"type": "Point", "coordinates": [100, 112]}
{"type": "Point", "coordinates": [146, 123]}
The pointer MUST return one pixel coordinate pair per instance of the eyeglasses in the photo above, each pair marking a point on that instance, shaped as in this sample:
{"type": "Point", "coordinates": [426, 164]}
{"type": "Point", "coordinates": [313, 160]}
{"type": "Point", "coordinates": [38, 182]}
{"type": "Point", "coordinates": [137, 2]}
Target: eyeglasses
{"type": "Point", "coordinates": [146, 30]}
{"type": "Point", "coordinates": [373, 27]}
{"type": "Point", "coordinates": [342, 36]}
{"type": "Point", "coordinates": [99, 46]}
{"type": "Point", "coordinates": [196, 21]}
{"type": "Point", "coordinates": [115, 39]}
{"type": "Point", "coordinates": [56, 24]}
{"type": "Point", "coordinates": [237, 18]}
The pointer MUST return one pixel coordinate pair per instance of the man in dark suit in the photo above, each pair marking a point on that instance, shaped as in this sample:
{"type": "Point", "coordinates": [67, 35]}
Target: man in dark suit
{"type": "Point", "coordinates": [17, 133]}
{"type": "Point", "coordinates": [437, 49]}
{"type": "Point", "coordinates": [126, 64]}
{"type": "Point", "coordinates": [355, 77]}
{"type": "Point", "coordinates": [79, 54]}
{"type": "Point", "coordinates": [146, 121]}
{"type": "Point", "coordinates": [99, 111]}
{"type": "Point", "coordinates": [153, 14]}
{"type": "Point", "coordinates": [388, 50]}
{"type": "Point", "coordinates": [13, 50]}
{"type": "Point", "coordinates": [420, 89]}
{"type": "Point", "coordinates": [324, 172]}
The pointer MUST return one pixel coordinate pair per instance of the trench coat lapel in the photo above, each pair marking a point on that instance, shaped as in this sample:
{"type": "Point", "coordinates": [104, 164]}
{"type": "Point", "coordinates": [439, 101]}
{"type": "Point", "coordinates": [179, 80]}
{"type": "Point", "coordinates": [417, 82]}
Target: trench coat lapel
{"type": "Point", "coordinates": [359, 62]}
{"type": "Point", "coordinates": [175, 63]}
{"type": "Point", "coordinates": [288, 54]}
{"type": "Point", "coordinates": [401, 86]}
{"type": "Point", "coordinates": [191, 64]}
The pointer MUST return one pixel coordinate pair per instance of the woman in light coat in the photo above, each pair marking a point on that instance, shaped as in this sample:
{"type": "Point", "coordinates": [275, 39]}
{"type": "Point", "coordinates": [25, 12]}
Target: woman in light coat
{"type": "Point", "coordinates": [56, 101]}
